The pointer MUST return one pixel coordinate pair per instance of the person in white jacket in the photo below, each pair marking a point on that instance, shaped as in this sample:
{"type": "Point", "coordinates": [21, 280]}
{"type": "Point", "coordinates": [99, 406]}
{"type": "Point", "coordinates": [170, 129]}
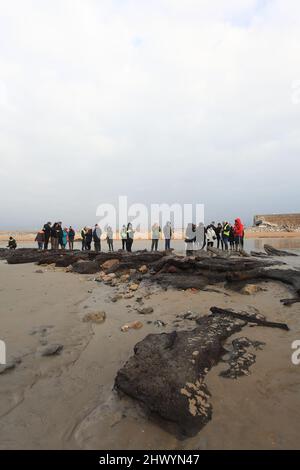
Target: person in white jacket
{"type": "Point", "coordinates": [97, 232]}
{"type": "Point", "coordinates": [210, 236]}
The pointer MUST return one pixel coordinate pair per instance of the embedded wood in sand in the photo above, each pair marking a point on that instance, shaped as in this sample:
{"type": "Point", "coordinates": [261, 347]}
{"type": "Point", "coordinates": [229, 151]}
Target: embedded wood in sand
{"type": "Point", "coordinates": [167, 371]}
{"type": "Point", "coordinates": [271, 251]}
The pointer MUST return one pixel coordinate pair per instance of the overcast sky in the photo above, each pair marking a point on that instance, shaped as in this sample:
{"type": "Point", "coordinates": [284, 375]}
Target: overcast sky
{"type": "Point", "coordinates": [188, 101]}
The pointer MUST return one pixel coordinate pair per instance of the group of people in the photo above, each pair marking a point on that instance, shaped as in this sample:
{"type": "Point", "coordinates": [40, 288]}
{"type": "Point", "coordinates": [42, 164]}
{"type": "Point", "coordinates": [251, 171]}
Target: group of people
{"type": "Point", "coordinates": [56, 236]}
{"type": "Point", "coordinates": [89, 235]}
{"type": "Point", "coordinates": [225, 235]}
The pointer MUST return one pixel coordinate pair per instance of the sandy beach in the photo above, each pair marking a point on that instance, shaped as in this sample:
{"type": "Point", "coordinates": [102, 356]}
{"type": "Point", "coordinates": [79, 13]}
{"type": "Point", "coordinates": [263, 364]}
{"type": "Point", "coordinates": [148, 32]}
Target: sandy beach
{"type": "Point", "coordinates": [68, 402]}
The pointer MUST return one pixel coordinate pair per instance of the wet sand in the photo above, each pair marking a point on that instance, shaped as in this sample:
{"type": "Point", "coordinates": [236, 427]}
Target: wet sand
{"type": "Point", "coordinates": [68, 402]}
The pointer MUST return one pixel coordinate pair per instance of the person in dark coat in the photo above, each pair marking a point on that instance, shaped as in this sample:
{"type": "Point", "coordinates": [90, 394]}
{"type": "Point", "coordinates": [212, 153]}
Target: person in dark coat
{"type": "Point", "coordinates": [47, 232]}
{"type": "Point", "coordinates": [231, 238]}
{"type": "Point", "coordinates": [60, 234]}
{"type": "Point", "coordinates": [97, 232]}
{"type": "Point", "coordinates": [12, 244]}
{"type": "Point", "coordinates": [218, 231]}
{"type": "Point", "coordinates": [40, 239]}
{"type": "Point", "coordinates": [71, 237]}
{"type": "Point", "coordinates": [54, 236]}
{"type": "Point", "coordinates": [130, 235]}
{"type": "Point", "coordinates": [88, 238]}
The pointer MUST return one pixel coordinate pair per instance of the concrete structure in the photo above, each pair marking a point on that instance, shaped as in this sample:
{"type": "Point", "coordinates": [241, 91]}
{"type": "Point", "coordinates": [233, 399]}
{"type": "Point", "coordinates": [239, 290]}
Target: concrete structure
{"type": "Point", "coordinates": [289, 220]}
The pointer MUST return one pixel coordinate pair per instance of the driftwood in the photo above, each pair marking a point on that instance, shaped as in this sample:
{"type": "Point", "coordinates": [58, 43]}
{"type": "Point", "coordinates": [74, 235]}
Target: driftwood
{"type": "Point", "coordinates": [167, 371]}
{"type": "Point", "coordinates": [270, 250]}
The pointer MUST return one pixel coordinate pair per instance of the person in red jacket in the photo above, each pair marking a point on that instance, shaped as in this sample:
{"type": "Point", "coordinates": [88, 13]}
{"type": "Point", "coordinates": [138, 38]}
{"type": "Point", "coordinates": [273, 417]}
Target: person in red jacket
{"type": "Point", "coordinates": [238, 234]}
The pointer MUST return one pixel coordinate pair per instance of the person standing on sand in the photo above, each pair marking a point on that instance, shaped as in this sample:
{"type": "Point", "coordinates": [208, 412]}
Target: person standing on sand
{"type": "Point", "coordinates": [210, 235]}
{"type": "Point", "coordinates": [71, 237]}
{"type": "Point", "coordinates": [83, 236]}
{"type": "Point", "coordinates": [54, 237]}
{"type": "Point", "coordinates": [218, 231]}
{"type": "Point", "coordinates": [130, 235]}
{"type": "Point", "coordinates": [110, 238]}
{"type": "Point", "coordinates": [238, 234]}
{"type": "Point", "coordinates": [47, 233]}
{"type": "Point", "coordinates": [168, 235]}
{"type": "Point", "coordinates": [242, 239]}
{"type": "Point", "coordinates": [231, 238]}
{"type": "Point", "coordinates": [40, 239]}
{"type": "Point", "coordinates": [123, 237]}
{"type": "Point", "coordinates": [60, 234]}
{"type": "Point", "coordinates": [200, 236]}
{"type": "Point", "coordinates": [156, 230]}
{"type": "Point", "coordinates": [12, 244]}
{"type": "Point", "coordinates": [225, 234]}
{"type": "Point", "coordinates": [64, 238]}
{"type": "Point", "coordinates": [88, 238]}
{"type": "Point", "coordinates": [190, 237]}
{"type": "Point", "coordinates": [97, 237]}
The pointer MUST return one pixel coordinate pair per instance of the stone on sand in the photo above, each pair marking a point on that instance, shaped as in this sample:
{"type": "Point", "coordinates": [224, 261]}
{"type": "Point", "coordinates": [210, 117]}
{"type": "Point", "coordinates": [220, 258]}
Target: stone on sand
{"type": "Point", "coordinates": [129, 295]}
{"type": "Point", "coordinates": [51, 349]}
{"type": "Point", "coordinates": [250, 289]}
{"type": "Point", "coordinates": [95, 317]}
{"type": "Point", "coordinates": [145, 310]}
{"type": "Point", "coordinates": [110, 263]}
{"type": "Point", "coordinates": [134, 287]}
{"type": "Point", "coordinates": [143, 269]}
{"type": "Point", "coordinates": [135, 325]}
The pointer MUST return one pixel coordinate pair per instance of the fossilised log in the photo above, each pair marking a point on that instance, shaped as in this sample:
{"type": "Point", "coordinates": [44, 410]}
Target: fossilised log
{"type": "Point", "coordinates": [64, 258]}
{"type": "Point", "coordinates": [271, 251]}
{"type": "Point", "coordinates": [217, 252]}
{"type": "Point", "coordinates": [85, 267]}
{"type": "Point", "coordinates": [288, 302]}
{"type": "Point", "coordinates": [167, 371]}
{"type": "Point", "coordinates": [134, 260]}
{"type": "Point", "coordinates": [211, 264]}
{"type": "Point", "coordinates": [4, 253]}
{"type": "Point", "coordinates": [257, 318]}
{"type": "Point", "coordinates": [180, 281]}
{"type": "Point", "coordinates": [61, 259]}
{"type": "Point", "coordinates": [287, 276]}
{"type": "Point", "coordinates": [241, 358]}
{"type": "Point", "coordinates": [22, 255]}
{"type": "Point", "coordinates": [167, 376]}
{"type": "Point", "coordinates": [180, 272]}
{"type": "Point", "coordinates": [258, 254]}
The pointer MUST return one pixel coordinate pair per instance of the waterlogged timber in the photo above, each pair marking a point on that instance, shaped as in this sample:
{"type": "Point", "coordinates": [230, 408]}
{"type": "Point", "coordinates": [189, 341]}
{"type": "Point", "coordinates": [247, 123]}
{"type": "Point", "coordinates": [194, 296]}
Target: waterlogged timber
{"type": "Point", "coordinates": [167, 372]}
{"type": "Point", "coordinates": [270, 250]}
{"type": "Point", "coordinates": [165, 268]}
